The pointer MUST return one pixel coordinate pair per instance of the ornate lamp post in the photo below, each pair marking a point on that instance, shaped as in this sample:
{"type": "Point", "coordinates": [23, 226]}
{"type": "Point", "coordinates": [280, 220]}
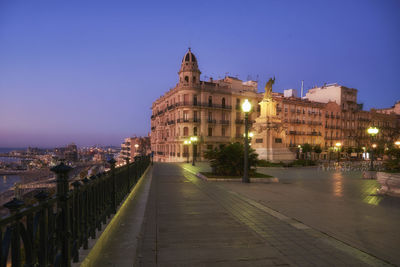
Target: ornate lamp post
{"type": "Point", "coordinates": [193, 140]}
{"type": "Point", "coordinates": [338, 146]}
{"type": "Point", "coordinates": [246, 107]}
{"type": "Point", "coordinates": [187, 143]}
{"type": "Point", "coordinates": [372, 131]}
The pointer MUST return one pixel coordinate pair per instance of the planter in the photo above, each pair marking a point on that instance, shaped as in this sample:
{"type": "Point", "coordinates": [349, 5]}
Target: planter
{"type": "Point", "coordinates": [369, 175]}
{"type": "Point", "coordinates": [390, 183]}
{"type": "Point", "coordinates": [254, 180]}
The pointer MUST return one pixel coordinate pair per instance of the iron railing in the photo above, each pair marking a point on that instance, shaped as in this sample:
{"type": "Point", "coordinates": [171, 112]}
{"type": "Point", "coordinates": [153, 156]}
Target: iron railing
{"type": "Point", "coordinates": [51, 232]}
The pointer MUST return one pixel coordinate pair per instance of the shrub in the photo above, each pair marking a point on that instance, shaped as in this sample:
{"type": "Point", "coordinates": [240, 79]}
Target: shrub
{"type": "Point", "coordinates": [265, 163]}
{"type": "Point", "coordinates": [392, 163]}
{"type": "Point", "coordinates": [229, 159]}
{"type": "Point", "coordinates": [304, 162]}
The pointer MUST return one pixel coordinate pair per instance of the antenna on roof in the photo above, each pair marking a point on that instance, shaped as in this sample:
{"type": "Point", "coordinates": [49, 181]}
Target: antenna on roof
{"type": "Point", "coordinates": [302, 86]}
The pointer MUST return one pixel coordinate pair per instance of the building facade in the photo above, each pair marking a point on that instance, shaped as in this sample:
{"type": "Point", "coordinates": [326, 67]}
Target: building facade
{"type": "Point", "coordinates": [209, 110]}
{"type": "Point", "coordinates": [132, 147]}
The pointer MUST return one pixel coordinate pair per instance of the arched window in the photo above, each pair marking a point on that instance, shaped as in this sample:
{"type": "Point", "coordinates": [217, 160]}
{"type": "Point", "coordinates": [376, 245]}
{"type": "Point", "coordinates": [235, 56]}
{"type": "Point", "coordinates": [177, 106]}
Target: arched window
{"type": "Point", "coordinates": [210, 101]}
{"type": "Point", "coordinates": [185, 131]}
{"type": "Point", "coordinates": [223, 102]}
{"type": "Point", "coordinates": [187, 79]}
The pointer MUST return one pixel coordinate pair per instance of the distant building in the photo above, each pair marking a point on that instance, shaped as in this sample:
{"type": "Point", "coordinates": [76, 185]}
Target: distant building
{"type": "Point", "coordinates": [394, 109]}
{"type": "Point", "coordinates": [71, 153]}
{"type": "Point", "coordinates": [290, 93]}
{"type": "Point", "coordinates": [134, 146]}
{"type": "Point", "coordinates": [345, 97]}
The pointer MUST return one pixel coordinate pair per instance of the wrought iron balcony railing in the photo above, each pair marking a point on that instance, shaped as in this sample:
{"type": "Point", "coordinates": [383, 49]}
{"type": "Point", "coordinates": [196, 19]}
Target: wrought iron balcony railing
{"type": "Point", "coordinates": [51, 232]}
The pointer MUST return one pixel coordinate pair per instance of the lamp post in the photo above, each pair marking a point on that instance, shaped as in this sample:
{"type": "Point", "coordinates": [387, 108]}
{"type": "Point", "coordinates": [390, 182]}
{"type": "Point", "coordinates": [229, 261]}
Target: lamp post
{"type": "Point", "coordinates": [193, 140]}
{"type": "Point", "coordinates": [338, 146]}
{"type": "Point", "coordinates": [372, 131]}
{"type": "Point", "coordinates": [187, 143]}
{"type": "Point", "coordinates": [299, 147]}
{"type": "Point", "coordinates": [246, 107]}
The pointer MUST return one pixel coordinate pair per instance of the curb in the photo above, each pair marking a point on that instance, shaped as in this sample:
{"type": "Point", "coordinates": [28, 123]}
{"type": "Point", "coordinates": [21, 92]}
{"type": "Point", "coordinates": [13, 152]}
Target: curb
{"type": "Point", "coordinates": [257, 180]}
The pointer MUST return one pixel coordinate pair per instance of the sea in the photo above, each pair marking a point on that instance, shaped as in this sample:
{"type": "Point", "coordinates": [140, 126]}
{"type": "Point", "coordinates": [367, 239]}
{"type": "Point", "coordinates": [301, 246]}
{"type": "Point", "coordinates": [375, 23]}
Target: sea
{"type": "Point", "coordinates": [7, 181]}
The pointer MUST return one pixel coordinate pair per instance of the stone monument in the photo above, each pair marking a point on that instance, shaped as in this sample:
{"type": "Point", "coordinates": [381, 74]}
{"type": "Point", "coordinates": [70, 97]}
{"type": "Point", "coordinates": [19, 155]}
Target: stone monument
{"type": "Point", "coordinates": [269, 133]}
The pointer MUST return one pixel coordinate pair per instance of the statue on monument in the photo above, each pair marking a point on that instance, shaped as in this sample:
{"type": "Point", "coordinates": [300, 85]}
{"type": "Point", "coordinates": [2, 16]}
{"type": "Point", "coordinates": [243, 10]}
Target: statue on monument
{"type": "Point", "coordinates": [268, 88]}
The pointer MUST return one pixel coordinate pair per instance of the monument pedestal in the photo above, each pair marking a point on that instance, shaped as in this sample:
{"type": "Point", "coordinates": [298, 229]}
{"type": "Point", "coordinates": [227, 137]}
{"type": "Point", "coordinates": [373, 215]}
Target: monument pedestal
{"type": "Point", "coordinates": [269, 136]}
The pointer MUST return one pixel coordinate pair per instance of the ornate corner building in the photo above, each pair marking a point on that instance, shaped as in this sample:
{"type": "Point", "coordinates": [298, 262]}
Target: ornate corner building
{"type": "Point", "coordinates": [211, 111]}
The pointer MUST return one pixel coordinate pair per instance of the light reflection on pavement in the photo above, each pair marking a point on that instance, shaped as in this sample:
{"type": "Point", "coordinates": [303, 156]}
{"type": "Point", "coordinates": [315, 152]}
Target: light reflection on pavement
{"type": "Point", "coordinates": [347, 185]}
{"type": "Point", "coordinates": [341, 204]}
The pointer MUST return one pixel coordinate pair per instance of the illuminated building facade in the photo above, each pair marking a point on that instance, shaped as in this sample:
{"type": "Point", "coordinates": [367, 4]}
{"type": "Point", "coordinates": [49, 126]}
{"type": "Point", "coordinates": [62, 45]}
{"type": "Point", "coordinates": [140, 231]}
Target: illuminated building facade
{"type": "Point", "coordinates": [211, 110]}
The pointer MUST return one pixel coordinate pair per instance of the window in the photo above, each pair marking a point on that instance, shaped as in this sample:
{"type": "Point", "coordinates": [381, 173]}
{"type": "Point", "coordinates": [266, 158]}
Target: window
{"type": "Point", "coordinates": [195, 131]}
{"type": "Point", "coordinates": [186, 99]}
{"type": "Point", "coordinates": [210, 116]}
{"type": "Point", "coordinates": [223, 131]}
{"type": "Point", "coordinates": [195, 115]}
{"type": "Point", "coordinates": [210, 101]}
{"type": "Point", "coordinates": [259, 140]}
{"type": "Point", "coordinates": [185, 115]}
{"type": "Point", "coordinates": [195, 100]}
{"type": "Point", "coordinates": [194, 79]}
{"type": "Point", "coordinates": [186, 79]}
{"type": "Point", "coordinates": [223, 102]}
{"type": "Point", "coordinates": [278, 140]}
{"type": "Point", "coordinates": [209, 131]}
{"type": "Point", "coordinates": [185, 131]}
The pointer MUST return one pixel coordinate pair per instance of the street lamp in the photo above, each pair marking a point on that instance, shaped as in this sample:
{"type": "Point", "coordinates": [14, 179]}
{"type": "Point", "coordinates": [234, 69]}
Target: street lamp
{"type": "Point", "coordinates": [372, 131]}
{"type": "Point", "coordinates": [300, 150]}
{"type": "Point", "coordinates": [338, 146]}
{"type": "Point", "coordinates": [193, 140]}
{"type": "Point", "coordinates": [397, 143]}
{"type": "Point", "coordinates": [246, 107]}
{"type": "Point", "coordinates": [187, 142]}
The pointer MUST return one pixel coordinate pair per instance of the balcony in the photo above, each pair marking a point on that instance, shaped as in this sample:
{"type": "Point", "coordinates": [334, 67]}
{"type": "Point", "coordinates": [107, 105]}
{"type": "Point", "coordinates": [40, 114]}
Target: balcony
{"type": "Point", "coordinates": [211, 121]}
{"type": "Point", "coordinates": [239, 121]}
{"type": "Point", "coordinates": [224, 122]}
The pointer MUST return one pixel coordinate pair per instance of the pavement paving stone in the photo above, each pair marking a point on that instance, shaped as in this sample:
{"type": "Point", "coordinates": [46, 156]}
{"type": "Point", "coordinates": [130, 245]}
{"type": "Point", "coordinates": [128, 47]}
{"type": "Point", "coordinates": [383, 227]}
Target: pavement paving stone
{"type": "Point", "coordinates": [195, 223]}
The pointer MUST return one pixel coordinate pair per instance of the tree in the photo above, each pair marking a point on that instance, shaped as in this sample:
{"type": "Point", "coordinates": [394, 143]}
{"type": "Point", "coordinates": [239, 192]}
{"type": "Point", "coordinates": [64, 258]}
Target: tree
{"type": "Point", "coordinates": [306, 149]}
{"type": "Point", "coordinates": [229, 159]}
{"type": "Point", "coordinates": [392, 162]}
{"type": "Point", "coordinates": [318, 149]}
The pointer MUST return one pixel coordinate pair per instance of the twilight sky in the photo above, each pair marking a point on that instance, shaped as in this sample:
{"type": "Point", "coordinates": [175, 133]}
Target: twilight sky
{"type": "Point", "coordinates": [88, 71]}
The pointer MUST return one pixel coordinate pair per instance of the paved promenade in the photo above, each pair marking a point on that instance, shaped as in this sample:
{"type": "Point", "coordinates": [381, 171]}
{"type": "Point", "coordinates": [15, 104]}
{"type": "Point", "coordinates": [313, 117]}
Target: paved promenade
{"type": "Point", "coordinates": [189, 222]}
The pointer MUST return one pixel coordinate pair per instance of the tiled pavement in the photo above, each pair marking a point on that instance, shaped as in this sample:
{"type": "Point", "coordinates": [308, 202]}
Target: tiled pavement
{"type": "Point", "coordinates": [189, 222]}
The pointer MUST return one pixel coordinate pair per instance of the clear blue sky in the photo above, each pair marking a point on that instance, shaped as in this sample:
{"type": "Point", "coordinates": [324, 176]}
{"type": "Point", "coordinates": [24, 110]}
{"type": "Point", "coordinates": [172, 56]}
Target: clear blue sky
{"type": "Point", "coordinates": [88, 71]}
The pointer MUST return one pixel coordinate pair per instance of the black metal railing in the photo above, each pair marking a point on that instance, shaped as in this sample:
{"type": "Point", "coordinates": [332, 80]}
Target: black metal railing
{"type": "Point", "coordinates": [51, 232]}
